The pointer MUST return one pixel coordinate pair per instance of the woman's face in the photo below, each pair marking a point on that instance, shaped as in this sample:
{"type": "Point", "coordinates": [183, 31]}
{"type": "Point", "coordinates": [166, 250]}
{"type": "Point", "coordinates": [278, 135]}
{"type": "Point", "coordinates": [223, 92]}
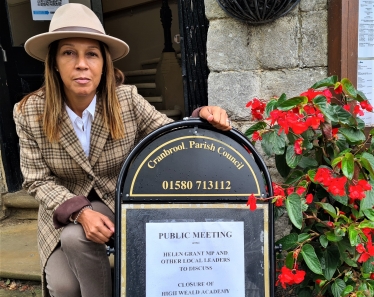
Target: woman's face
{"type": "Point", "coordinates": [80, 64]}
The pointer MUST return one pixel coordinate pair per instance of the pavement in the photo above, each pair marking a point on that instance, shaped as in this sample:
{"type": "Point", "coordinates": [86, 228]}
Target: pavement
{"type": "Point", "coordinates": [19, 259]}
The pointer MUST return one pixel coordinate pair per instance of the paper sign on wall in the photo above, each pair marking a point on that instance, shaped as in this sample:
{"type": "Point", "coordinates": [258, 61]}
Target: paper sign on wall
{"type": "Point", "coordinates": [43, 10]}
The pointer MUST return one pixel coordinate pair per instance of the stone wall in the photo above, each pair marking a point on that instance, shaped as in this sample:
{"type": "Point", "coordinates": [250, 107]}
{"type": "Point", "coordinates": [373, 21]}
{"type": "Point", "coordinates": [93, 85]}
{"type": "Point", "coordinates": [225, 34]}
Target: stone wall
{"type": "Point", "coordinates": [285, 56]}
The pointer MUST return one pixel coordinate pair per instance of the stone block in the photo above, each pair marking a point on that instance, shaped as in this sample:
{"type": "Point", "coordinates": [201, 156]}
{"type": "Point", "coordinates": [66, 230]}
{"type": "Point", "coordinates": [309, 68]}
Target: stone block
{"type": "Point", "coordinates": [231, 46]}
{"type": "Point", "coordinates": [313, 49]}
{"type": "Point", "coordinates": [232, 90]}
{"type": "Point", "coordinates": [313, 5]}
{"type": "Point", "coordinates": [278, 43]}
{"type": "Point", "coordinates": [289, 81]}
{"type": "Point", "coordinates": [213, 10]}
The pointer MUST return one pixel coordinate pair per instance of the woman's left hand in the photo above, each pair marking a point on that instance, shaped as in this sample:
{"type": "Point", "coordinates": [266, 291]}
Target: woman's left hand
{"type": "Point", "coordinates": [216, 116]}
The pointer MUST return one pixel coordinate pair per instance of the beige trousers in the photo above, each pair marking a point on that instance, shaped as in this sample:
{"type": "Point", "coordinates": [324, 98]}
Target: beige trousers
{"type": "Point", "coordinates": [80, 267]}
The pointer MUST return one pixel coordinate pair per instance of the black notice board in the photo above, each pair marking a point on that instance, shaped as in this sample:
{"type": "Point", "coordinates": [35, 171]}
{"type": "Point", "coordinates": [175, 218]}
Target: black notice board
{"type": "Point", "coordinates": [190, 175]}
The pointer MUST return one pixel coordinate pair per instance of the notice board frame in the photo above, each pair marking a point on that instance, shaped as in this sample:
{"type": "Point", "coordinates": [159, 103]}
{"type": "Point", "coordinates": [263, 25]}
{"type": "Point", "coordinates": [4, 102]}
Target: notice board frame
{"type": "Point", "coordinates": [191, 202]}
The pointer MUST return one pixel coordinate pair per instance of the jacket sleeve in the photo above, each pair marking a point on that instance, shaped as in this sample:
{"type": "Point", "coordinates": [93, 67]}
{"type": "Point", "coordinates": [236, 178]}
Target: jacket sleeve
{"type": "Point", "coordinates": [38, 178]}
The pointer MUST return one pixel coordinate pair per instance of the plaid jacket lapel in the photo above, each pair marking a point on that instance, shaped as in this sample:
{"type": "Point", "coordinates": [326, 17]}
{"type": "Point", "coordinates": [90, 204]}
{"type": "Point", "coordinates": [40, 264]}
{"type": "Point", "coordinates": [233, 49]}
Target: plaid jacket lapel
{"type": "Point", "coordinates": [71, 144]}
{"type": "Point", "coordinates": [99, 134]}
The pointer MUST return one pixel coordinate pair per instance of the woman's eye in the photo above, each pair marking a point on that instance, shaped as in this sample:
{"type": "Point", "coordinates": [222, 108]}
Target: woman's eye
{"type": "Point", "coordinates": [68, 53]}
{"type": "Point", "coordinates": [92, 54]}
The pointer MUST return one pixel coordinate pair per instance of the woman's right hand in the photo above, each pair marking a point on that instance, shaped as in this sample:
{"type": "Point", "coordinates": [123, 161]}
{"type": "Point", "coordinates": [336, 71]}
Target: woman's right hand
{"type": "Point", "coordinates": [98, 227]}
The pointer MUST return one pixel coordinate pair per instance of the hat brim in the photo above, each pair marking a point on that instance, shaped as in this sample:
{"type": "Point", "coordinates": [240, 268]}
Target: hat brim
{"type": "Point", "coordinates": [37, 46]}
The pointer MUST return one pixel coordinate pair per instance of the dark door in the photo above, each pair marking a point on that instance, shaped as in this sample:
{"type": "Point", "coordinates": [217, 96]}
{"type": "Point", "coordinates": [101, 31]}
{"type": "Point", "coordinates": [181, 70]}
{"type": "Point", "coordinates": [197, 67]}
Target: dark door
{"type": "Point", "coordinates": [19, 75]}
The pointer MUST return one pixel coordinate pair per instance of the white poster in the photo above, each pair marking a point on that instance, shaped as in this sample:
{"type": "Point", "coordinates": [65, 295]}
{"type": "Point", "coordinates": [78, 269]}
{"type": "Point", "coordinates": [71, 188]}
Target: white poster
{"type": "Point", "coordinates": [43, 10]}
{"type": "Point", "coordinates": [365, 84]}
{"type": "Point", "coordinates": [366, 29]}
{"type": "Point", "coordinates": [195, 259]}
{"type": "Point", "coordinates": [365, 67]}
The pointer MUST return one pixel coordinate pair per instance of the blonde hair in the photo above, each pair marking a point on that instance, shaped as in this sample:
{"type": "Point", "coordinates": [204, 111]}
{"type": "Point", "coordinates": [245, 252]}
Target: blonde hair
{"type": "Point", "coordinates": [53, 93]}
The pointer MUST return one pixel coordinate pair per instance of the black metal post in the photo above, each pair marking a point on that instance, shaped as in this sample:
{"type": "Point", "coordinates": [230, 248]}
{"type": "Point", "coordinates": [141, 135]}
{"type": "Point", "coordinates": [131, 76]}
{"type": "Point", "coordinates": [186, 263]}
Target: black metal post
{"type": "Point", "coordinates": [166, 18]}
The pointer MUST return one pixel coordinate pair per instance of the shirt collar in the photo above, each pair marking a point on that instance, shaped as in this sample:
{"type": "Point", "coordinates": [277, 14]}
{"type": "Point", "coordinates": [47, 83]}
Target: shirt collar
{"type": "Point", "coordinates": [90, 109]}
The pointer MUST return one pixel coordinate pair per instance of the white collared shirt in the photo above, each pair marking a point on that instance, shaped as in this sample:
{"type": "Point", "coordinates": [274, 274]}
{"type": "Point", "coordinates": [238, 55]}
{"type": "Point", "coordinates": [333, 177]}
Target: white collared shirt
{"type": "Point", "coordinates": [82, 125]}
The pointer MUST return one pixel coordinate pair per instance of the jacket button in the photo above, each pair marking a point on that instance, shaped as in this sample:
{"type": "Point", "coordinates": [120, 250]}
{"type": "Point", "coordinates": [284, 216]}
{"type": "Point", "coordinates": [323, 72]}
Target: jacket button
{"type": "Point", "coordinates": [105, 196]}
{"type": "Point", "coordinates": [90, 177]}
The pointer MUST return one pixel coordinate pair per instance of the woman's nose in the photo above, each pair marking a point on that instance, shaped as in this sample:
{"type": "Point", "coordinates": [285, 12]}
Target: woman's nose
{"type": "Point", "coordinates": [81, 62]}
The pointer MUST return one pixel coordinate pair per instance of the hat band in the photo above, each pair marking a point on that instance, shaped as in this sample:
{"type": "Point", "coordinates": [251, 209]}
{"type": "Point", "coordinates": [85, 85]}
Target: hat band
{"type": "Point", "coordinates": [78, 29]}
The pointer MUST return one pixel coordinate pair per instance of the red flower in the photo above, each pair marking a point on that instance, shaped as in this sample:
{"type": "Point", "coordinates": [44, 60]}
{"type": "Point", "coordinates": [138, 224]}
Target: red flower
{"type": "Point", "coordinates": [372, 275]}
{"type": "Point", "coordinates": [323, 176]}
{"type": "Point", "coordinates": [290, 277]}
{"type": "Point", "coordinates": [257, 108]}
{"type": "Point", "coordinates": [360, 248]}
{"type": "Point", "coordinates": [338, 89]}
{"type": "Point", "coordinates": [290, 190]}
{"type": "Point", "coordinates": [366, 105]}
{"type": "Point", "coordinates": [358, 111]}
{"type": "Point", "coordinates": [335, 133]}
{"type": "Point", "coordinates": [300, 190]}
{"type": "Point", "coordinates": [252, 202]}
{"type": "Point", "coordinates": [357, 191]}
{"type": "Point", "coordinates": [256, 136]}
{"type": "Point", "coordinates": [337, 186]}
{"type": "Point", "coordinates": [347, 107]}
{"type": "Point", "coordinates": [330, 224]}
{"type": "Point", "coordinates": [278, 190]}
{"type": "Point", "coordinates": [279, 200]}
{"type": "Point", "coordinates": [297, 147]}
{"type": "Point", "coordinates": [309, 198]}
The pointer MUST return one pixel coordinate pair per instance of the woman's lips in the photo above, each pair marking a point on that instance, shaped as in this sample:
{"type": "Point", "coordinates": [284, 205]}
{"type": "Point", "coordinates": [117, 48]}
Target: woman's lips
{"type": "Point", "coordinates": [81, 80]}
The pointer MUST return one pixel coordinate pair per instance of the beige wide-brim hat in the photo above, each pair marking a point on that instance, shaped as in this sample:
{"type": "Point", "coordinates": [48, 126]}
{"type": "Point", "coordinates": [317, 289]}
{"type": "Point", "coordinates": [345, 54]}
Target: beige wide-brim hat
{"type": "Point", "coordinates": [74, 20]}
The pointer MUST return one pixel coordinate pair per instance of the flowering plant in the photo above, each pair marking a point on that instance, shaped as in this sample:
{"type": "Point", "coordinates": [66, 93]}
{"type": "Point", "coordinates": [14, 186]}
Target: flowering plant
{"type": "Point", "coordinates": [327, 163]}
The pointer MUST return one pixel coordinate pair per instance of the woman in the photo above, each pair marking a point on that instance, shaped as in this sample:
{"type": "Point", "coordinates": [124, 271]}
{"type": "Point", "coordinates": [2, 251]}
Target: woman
{"type": "Point", "coordinates": [75, 132]}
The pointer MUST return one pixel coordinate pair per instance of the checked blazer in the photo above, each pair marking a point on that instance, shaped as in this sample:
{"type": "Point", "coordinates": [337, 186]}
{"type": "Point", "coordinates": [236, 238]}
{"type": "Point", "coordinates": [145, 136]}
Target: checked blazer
{"type": "Point", "coordinates": [56, 172]}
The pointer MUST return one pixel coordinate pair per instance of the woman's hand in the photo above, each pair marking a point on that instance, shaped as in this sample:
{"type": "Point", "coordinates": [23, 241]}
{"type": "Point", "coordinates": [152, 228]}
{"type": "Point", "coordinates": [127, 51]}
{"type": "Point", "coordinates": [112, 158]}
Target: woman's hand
{"type": "Point", "coordinates": [98, 227]}
{"type": "Point", "coordinates": [216, 116]}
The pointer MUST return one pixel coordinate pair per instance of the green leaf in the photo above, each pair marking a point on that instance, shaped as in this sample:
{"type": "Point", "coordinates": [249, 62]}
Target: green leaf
{"type": "Point", "coordinates": [369, 213]}
{"type": "Point", "coordinates": [360, 123]}
{"type": "Point", "coordinates": [353, 135]}
{"type": "Point", "coordinates": [330, 235]}
{"type": "Point", "coordinates": [342, 199]}
{"type": "Point", "coordinates": [282, 98]}
{"type": "Point", "coordinates": [293, 205]}
{"type": "Point", "coordinates": [342, 115]}
{"type": "Point", "coordinates": [311, 259]}
{"type": "Point", "coordinates": [366, 224]}
{"type": "Point", "coordinates": [348, 165]}
{"type": "Point", "coordinates": [270, 106]}
{"type": "Point", "coordinates": [361, 96]}
{"type": "Point", "coordinates": [332, 261]}
{"type": "Point", "coordinates": [272, 143]}
{"type": "Point", "coordinates": [307, 162]}
{"type": "Point", "coordinates": [281, 164]}
{"type": "Point", "coordinates": [288, 241]}
{"type": "Point", "coordinates": [338, 287]}
{"type": "Point", "coordinates": [302, 237]}
{"type": "Point", "coordinates": [348, 88]}
{"type": "Point", "coordinates": [348, 289]}
{"type": "Point", "coordinates": [326, 82]}
{"type": "Point", "coordinates": [368, 202]}
{"type": "Point", "coordinates": [367, 161]}
{"type": "Point", "coordinates": [354, 239]}
{"type": "Point", "coordinates": [327, 110]}
{"type": "Point", "coordinates": [329, 209]}
{"type": "Point", "coordinates": [294, 177]}
{"type": "Point", "coordinates": [289, 260]}
{"type": "Point", "coordinates": [312, 174]}
{"type": "Point", "coordinates": [367, 266]}
{"type": "Point", "coordinates": [256, 127]}
{"type": "Point", "coordinates": [292, 103]}
{"type": "Point", "coordinates": [292, 159]}
{"type": "Point", "coordinates": [323, 240]}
